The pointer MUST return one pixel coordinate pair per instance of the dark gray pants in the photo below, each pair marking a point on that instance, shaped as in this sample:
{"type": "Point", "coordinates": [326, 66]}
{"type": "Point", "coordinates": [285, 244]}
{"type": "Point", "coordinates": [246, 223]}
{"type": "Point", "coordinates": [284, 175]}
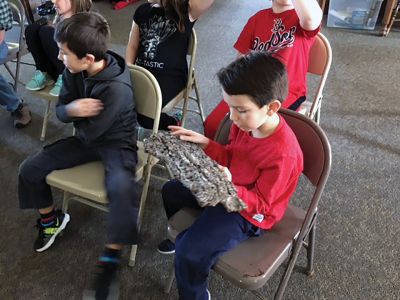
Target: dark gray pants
{"type": "Point", "coordinates": [120, 163]}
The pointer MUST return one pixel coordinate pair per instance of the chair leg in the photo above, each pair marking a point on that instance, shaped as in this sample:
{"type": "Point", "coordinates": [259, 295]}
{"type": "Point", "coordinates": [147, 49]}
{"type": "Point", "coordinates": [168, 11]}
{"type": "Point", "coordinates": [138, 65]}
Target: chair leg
{"type": "Point", "coordinates": [17, 67]}
{"type": "Point", "coordinates": [185, 108]}
{"type": "Point", "coordinates": [310, 250]}
{"type": "Point", "coordinates": [45, 120]}
{"type": "Point", "coordinates": [65, 202]}
{"type": "Point", "coordinates": [132, 256]}
{"type": "Point", "coordinates": [196, 90]}
{"type": "Point", "coordinates": [170, 280]}
{"type": "Point", "coordinates": [258, 295]}
{"type": "Point", "coordinates": [318, 114]}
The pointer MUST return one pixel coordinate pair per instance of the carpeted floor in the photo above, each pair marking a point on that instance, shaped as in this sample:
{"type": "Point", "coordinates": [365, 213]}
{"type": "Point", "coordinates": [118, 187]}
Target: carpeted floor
{"type": "Point", "coordinates": [357, 249]}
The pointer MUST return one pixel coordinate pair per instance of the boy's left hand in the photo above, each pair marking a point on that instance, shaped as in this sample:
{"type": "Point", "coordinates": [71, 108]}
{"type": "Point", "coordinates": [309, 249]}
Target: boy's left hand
{"type": "Point", "coordinates": [189, 135]}
{"type": "Point", "coordinates": [226, 171]}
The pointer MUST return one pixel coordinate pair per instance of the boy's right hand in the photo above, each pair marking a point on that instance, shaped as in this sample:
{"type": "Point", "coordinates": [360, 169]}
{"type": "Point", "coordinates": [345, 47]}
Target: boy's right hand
{"type": "Point", "coordinates": [189, 135]}
{"type": "Point", "coordinates": [84, 107]}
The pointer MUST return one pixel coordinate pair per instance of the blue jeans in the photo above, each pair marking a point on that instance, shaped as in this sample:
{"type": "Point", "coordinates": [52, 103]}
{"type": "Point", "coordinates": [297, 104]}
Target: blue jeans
{"type": "Point", "coordinates": [8, 98]}
{"type": "Point", "coordinates": [3, 52]}
{"type": "Point", "coordinates": [198, 248]}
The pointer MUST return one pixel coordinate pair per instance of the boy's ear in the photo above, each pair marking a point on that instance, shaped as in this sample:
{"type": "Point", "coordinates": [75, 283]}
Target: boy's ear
{"type": "Point", "coordinates": [90, 58]}
{"type": "Point", "coordinates": [273, 107]}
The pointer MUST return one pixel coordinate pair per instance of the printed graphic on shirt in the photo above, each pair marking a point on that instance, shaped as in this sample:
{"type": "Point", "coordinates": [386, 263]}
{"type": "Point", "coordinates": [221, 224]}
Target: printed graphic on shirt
{"type": "Point", "coordinates": [156, 31]}
{"type": "Point", "coordinates": [280, 38]}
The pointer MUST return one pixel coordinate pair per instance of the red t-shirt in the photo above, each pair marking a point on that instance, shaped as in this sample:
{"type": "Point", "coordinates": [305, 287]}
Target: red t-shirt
{"type": "Point", "coordinates": [282, 35]}
{"type": "Point", "coordinates": [265, 171]}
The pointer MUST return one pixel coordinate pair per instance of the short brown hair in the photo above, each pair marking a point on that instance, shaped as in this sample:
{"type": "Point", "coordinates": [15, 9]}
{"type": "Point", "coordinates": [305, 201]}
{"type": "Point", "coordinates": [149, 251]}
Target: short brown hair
{"type": "Point", "coordinates": [258, 75]}
{"type": "Point", "coordinates": [84, 33]}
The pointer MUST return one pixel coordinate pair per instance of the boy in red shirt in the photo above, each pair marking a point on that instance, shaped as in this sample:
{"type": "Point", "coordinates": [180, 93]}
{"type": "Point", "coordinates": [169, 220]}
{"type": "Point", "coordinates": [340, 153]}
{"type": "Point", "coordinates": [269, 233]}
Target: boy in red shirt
{"type": "Point", "coordinates": [287, 30]}
{"type": "Point", "coordinates": [263, 159]}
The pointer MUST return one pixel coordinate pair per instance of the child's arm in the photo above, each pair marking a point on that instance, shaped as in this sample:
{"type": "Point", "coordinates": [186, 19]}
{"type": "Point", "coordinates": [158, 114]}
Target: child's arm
{"type": "Point", "coordinates": [84, 108]}
{"type": "Point", "coordinates": [276, 183]}
{"type": "Point", "coordinates": [198, 7]}
{"type": "Point", "coordinates": [133, 44]}
{"type": "Point", "coordinates": [309, 13]}
{"type": "Point", "coordinates": [189, 136]}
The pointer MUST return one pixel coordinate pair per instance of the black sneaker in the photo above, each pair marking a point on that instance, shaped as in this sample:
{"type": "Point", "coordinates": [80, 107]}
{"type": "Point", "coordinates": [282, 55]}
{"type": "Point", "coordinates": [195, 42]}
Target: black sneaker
{"type": "Point", "coordinates": [105, 285]}
{"type": "Point", "coordinates": [47, 235]}
{"type": "Point", "coordinates": [166, 247]}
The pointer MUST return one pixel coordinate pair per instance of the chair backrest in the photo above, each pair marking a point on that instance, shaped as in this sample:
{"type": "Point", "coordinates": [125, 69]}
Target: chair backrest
{"type": "Point", "coordinates": [192, 50]}
{"type": "Point", "coordinates": [314, 144]}
{"type": "Point", "coordinates": [319, 63]}
{"type": "Point", "coordinates": [147, 94]}
{"type": "Point", "coordinates": [19, 18]}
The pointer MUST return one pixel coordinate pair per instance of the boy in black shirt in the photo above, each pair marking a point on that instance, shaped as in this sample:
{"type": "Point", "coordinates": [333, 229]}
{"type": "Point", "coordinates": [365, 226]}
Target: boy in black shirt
{"type": "Point", "coordinates": [97, 97]}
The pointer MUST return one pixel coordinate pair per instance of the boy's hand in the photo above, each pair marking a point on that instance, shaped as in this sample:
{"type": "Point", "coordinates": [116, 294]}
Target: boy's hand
{"type": "Point", "coordinates": [84, 107]}
{"type": "Point", "coordinates": [189, 135]}
{"type": "Point", "coordinates": [226, 171]}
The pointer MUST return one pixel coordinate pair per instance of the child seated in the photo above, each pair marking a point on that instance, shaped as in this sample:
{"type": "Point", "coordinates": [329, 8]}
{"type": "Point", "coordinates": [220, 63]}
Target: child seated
{"type": "Point", "coordinates": [44, 50]}
{"type": "Point", "coordinates": [287, 30]}
{"type": "Point", "coordinates": [159, 41]}
{"type": "Point", "coordinates": [97, 97]}
{"type": "Point", "coordinates": [262, 159]}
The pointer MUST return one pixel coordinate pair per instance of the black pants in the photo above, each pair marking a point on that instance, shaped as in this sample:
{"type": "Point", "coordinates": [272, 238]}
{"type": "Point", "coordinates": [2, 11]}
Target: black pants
{"type": "Point", "coordinates": [44, 49]}
{"type": "Point", "coordinates": [119, 162]}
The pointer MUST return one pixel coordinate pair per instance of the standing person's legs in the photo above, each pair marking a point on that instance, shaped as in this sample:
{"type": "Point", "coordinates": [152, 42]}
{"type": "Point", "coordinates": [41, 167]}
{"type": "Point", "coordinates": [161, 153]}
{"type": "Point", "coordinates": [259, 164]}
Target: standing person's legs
{"type": "Point", "coordinates": [35, 193]}
{"type": "Point", "coordinates": [198, 248]}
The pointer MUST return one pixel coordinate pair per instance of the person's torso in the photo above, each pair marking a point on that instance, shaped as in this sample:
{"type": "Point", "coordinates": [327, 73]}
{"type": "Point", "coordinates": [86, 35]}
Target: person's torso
{"type": "Point", "coordinates": [162, 48]}
{"type": "Point", "coordinates": [250, 155]}
{"type": "Point", "coordinates": [282, 35]}
{"type": "Point", "coordinates": [115, 77]}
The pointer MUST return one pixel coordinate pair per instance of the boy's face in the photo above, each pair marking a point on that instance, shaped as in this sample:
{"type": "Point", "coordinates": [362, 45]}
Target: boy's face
{"type": "Point", "coordinates": [245, 113]}
{"type": "Point", "coordinates": [70, 60]}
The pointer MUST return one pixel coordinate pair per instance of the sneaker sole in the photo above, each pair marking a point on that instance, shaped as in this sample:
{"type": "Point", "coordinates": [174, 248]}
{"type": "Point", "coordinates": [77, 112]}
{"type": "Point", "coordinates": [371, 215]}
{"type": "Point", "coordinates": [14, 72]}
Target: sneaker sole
{"type": "Point", "coordinates": [54, 95]}
{"type": "Point", "coordinates": [52, 239]}
{"type": "Point", "coordinates": [166, 252]}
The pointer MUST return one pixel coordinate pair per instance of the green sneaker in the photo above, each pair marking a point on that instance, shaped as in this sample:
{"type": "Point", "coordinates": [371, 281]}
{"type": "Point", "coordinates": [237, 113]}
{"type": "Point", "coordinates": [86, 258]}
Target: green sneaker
{"type": "Point", "coordinates": [39, 81]}
{"type": "Point", "coordinates": [55, 91]}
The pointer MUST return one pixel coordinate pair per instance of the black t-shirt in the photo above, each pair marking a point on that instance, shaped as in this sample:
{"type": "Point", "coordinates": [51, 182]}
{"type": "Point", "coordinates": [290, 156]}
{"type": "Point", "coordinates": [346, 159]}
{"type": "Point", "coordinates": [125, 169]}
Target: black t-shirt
{"type": "Point", "coordinates": [163, 48]}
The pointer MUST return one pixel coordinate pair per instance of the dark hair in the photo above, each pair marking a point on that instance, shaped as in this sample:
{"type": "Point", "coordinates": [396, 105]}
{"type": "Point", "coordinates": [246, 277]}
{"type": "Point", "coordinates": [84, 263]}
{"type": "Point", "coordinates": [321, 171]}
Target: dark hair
{"type": "Point", "coordinates": [176, 10]}
{"type": "Point", "coordinates": [84, 33]}
{"type": "Point", "coordinates": [258, 75]}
